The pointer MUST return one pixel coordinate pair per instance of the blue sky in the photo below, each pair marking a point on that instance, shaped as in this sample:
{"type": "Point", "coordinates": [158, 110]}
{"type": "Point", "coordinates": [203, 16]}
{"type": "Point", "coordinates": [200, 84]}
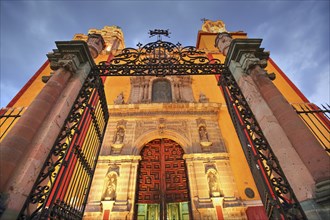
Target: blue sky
{"type": "Point", "coordinates": [295, 32]}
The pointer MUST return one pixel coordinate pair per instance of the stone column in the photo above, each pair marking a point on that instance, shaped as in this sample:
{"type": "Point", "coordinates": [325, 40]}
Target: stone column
{"type": "Point", "coordinates": [25, 148]}
{"type": "Point", "coordinates": [302, 159]}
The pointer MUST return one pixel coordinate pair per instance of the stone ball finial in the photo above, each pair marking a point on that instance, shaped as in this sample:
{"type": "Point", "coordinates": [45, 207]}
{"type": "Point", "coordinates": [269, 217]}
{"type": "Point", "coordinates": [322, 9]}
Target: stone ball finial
{"type": "Point", "coordinates": [95, 44]}
{"type": "Point", "coordinates": [222, 42]}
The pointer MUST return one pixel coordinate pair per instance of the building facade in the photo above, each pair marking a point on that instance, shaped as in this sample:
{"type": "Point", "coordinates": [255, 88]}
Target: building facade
{"type": "Point", "coordinates": [171, 147]}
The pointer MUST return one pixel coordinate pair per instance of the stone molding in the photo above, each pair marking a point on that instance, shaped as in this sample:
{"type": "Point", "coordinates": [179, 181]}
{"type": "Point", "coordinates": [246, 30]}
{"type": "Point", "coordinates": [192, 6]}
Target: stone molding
{"type": "Point", "coordinates": [163, 108]}
{"type": "Point", "coordinates": [70, 55]}
{"type": "Point", "coordinates": [239, 47]}
{"type": "Point", "coordinates": [206, 156]}
{"type": "Point", "coordinates": [119, 159]}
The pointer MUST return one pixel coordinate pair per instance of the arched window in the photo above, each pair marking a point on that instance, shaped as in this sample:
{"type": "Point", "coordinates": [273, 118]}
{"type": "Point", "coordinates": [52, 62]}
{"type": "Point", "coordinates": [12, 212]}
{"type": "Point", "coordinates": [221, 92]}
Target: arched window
{"type": "Point", "coordinates": [161, 91]}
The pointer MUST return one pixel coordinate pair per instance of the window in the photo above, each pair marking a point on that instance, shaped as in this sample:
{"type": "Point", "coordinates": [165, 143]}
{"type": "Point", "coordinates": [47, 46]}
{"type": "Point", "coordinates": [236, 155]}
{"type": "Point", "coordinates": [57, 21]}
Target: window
{"type": "Point", "coordinates": [161, 91]}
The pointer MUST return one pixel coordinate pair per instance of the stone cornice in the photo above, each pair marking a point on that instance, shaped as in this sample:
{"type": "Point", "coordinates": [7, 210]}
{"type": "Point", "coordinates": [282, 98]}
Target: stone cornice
{"type": "Point", "coordinates": [238, 47]}
{"type": "Point", "coordinates": [204, 157]}
{"type": "Point", "coordinates": [70, 55]}
{"type": "Point", "coordinates": [119, 158]}
{"type": "Point", "coordinates": [164, 109]}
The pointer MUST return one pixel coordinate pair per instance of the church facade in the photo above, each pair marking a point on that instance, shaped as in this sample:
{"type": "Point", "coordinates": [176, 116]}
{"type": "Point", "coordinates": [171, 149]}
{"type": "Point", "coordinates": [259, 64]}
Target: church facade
{"type": "Point", "coordinates": [175, 146]}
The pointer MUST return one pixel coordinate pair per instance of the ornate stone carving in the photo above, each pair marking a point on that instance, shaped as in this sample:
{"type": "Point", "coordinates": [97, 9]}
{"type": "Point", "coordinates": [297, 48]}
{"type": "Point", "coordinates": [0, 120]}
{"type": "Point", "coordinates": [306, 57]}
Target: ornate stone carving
{"type": "Point", "coordinates": [120, 99]}
{"type": "Point", "coordinates": [161, 125]}
{"type": "Point", "coordinates": [222, 42]}
{"type": "Point", "coordinates": [203, 134]}
{"type": "Point", "coordinates": [203, 98]}
{"type": "Point", "coordinates": [110, 183]}
{"type": "Point", "coordinates": [118, 138]}
{"type": "Point", "coordinates": [213, 26]}
{"type": "Point", "coordinates": [70, 55]}
{"type": "Point", "coordinates": [146, 89]}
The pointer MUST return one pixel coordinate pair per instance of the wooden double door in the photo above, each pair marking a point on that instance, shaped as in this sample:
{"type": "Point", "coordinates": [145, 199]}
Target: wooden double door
{"type": "Point", "coordinates": [162, 188]}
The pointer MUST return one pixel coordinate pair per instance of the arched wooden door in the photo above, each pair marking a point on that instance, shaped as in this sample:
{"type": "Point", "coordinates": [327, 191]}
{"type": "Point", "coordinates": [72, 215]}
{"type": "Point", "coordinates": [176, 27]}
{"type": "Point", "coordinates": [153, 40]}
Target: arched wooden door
{"type": "Point", "coordinates": [162, 187]}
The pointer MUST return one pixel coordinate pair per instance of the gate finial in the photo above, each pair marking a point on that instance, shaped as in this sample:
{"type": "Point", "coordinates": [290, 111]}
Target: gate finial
{"type": "Point", "coordinates": [159, 32]}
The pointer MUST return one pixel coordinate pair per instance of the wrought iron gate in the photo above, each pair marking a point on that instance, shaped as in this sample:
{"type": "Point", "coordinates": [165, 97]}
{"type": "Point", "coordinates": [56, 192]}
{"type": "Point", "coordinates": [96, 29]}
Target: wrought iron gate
{"type": "Point", "coordinates": [62, 187]}
{"type": "Point", "coordinates": [277, 196]}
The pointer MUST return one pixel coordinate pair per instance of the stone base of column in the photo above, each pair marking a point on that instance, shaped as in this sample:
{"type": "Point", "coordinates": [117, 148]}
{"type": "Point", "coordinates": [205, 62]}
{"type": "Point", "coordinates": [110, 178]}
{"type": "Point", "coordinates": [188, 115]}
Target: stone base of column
{"type": "Point", "coordinates": [316, 211]}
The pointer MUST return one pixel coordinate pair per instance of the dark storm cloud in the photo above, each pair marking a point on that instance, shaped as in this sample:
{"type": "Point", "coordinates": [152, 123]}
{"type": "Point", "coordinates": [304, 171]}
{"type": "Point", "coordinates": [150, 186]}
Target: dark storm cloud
{"type": "Point", "coordinates": [295, 32]}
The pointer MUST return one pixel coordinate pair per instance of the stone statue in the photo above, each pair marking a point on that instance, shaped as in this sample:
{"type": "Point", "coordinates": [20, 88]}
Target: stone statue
{"type": "Point", "coordinates": [203, 134]}
{"type": "Point", "coordinates": [213, 184]}
{"type": "Point", "coordinates": [118, 138]}
{"type": "Point", "coordinates": [120, 99]}
{"type": "Point", "coordinates": [110, 185]}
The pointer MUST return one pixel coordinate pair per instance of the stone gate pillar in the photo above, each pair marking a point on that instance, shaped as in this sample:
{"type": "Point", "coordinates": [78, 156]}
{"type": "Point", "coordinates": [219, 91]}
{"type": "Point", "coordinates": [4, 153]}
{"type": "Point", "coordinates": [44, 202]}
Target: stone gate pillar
{"type": "Point", "coordinates": [303, 160]}
{"type": "Point", "coordinates": [26, 146]}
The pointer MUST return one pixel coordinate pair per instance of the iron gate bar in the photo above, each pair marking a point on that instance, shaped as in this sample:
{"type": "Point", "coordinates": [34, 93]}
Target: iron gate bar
{"type": "Point", "coordinates": [280, 200]}
{"type": "Point", "coordinates": [317, 120]}
{"type": "Point", "coordinates": [48, 197]}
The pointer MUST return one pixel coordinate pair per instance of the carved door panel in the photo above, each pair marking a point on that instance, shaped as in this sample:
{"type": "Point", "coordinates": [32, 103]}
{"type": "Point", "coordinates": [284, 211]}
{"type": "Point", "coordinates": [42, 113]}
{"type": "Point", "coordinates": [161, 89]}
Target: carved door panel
{"type": "Point", "coordinates": [162, 177]}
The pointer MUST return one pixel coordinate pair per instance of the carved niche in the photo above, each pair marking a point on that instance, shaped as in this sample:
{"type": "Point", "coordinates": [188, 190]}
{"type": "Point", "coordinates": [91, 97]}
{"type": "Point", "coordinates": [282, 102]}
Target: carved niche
{"type": "Point", "coordinates": [203, 135]}
{"type": "Point", "coordinates": [110, 183]}
{"type": "Point", "coordinates": [213, 181]}
{"type": "Point", "coordinates": [118, 137]}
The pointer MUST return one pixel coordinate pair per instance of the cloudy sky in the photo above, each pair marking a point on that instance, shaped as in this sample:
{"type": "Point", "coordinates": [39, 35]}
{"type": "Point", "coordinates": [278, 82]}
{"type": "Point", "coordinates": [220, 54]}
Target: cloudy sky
{"type": "Point", "coordinates": [295, 32]}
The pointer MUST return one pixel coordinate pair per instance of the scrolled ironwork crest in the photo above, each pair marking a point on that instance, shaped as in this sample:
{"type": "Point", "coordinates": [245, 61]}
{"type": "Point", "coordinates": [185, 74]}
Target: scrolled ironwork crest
{"type": "Point", "coordinates": [160, 58]}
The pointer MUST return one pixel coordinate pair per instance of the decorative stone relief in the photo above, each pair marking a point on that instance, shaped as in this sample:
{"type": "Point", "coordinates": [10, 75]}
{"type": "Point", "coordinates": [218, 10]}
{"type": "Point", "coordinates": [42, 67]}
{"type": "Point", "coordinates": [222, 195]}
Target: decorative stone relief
{"type": "Point", "coordinates": [120, 99]}
{"type": "Point", "coordinates": [118, 138]}
{"type": "Point", "coordinates": [203, 135]}
{"type": "Point", "coordinates": [147, 89]}
{"type": "Point", "coordinates": [161, 125]}
{"type": "Point", "coordinates": [213, 26]}
{"type": "Point", "coordinates": [203, 98]}
{"type": "Point", "coordinates": [110, 183]}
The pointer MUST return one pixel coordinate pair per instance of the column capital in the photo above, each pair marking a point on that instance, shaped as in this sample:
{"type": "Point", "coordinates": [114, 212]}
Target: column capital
{"type": "Point", "coordinates": [70, 55]}
{"type": "Point", "coordinates": [240, 47]}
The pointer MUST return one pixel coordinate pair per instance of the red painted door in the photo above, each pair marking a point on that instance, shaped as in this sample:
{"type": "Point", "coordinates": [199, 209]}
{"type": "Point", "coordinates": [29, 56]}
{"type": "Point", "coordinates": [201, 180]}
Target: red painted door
{"type": "Point", "coordinates": [162, 177]}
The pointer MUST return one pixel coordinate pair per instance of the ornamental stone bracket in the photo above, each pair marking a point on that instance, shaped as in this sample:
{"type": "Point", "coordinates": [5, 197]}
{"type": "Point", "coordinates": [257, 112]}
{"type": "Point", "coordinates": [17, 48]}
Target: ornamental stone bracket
{"type": "Point", "coordinates": [238, 47]}
{"type": "Point", "coordinates": [246, 54]}
{"type": "Point", "coordinates": [70, 55]}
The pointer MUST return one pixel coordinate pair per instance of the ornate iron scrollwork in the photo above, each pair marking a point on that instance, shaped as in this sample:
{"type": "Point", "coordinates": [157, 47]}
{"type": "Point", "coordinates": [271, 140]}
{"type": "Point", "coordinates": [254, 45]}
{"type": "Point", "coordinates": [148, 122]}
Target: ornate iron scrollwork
{"type": "Point", "coordinates": [61, 189]}
{"type": "Point", "coordinates": [160, 58]}
{"type": "Point", "coordinates": [277, 195]}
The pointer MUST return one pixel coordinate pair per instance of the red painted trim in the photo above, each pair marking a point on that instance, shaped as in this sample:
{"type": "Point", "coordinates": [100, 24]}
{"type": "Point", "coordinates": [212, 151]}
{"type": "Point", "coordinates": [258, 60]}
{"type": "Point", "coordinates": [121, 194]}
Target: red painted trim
{"type": "Point", "coordinates": [27, 85]}
{"type": "Point", "coordinates": [219, 212]}
{"type": "Point", "coordinates": [106, 214]}
{"type": "Point", "coordinates": [293, 86]}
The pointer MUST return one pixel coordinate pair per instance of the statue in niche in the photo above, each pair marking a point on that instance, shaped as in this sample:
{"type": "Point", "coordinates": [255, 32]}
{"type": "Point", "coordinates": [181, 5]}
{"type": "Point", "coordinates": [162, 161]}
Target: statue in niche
{"type": "Point", "coordinates": [118, 138]}
{"type": "Point", "coordinates": [110, 185]}
{"type": "Point", "coordinates": [204, 138]}
{"type": "Point", "coordinates": [120, 99]}
{"type": "Point", "coordinates": [203, 134]}
{"type": "Point", "coordinates": [213, 184]}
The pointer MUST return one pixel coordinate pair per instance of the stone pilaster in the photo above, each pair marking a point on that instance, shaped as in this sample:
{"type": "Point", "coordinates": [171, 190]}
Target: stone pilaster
{"type": "Point", "coordinates": [27, 145]}
{"type": "Point", "coordinates": [302, 159]}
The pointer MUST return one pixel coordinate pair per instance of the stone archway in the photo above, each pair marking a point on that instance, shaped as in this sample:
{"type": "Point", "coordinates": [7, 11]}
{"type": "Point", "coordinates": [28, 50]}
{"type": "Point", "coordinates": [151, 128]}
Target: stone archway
{"type": "Point", "coordinates": [162, 182]}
